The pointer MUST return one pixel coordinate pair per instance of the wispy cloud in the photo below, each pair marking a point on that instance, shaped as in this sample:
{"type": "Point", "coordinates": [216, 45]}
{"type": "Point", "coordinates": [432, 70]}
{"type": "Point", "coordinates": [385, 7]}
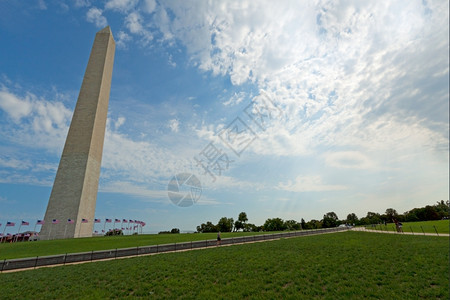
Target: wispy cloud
{"type": "Point", "coordinates": [309, 184]}
{"type": "Point", "coordinates": [94, 15]}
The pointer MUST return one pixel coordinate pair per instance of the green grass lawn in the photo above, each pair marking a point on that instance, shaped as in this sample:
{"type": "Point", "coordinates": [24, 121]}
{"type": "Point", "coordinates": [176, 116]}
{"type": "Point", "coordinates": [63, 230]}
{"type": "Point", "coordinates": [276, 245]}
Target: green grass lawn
{"type": "Point", "coordinates": [43, 248]}
{"type": "Point", "coordinates": [349, 265]}
{"type": "Point", "coordinates": [442, 226]}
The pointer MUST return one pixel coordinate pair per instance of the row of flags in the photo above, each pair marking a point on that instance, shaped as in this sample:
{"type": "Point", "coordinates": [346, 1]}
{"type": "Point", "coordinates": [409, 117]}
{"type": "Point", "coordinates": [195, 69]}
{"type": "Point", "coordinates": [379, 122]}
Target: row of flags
{"type": "Point", "coordinates": [71, 221]}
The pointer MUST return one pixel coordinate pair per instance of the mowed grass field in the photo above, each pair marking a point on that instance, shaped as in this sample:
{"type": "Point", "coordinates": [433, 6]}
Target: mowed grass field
{"type": "Point", "coordinates": [348, 265]}
{"type": "Point", "coordinates": [53, 247]}
{"type": "Point", "coordinates": [442, 226]}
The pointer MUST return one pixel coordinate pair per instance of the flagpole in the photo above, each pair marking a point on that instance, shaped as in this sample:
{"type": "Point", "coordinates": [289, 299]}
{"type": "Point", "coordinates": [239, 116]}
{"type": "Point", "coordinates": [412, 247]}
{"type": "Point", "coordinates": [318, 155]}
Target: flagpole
{"type": "Point", "coordinates": [34, 230]}
{"type": "Point", "coordinates": [16, 238]}
{"type": "Point", "coordinates": [50, 231]}
{"type": "Point", "coordinates": [65, 229]}
{"type": "Point", "coordinates": [79, 231]}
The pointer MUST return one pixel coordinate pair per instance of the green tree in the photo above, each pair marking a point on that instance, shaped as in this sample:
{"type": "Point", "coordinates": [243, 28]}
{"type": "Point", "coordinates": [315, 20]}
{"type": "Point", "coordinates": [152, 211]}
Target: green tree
{"type": "Point", "coordinates": [314, 224]}
{"type": "Point", "coordinates": [442, 209]}
{"type": "Point", "coordinates": [292, 225]}
{"type": "Point", "coordinates": [243, 217]}
{"type": "Point", "coordinates": [252, 228]}
{"type": "Point", "coordinates": [303, 224]}
{"type": "Point", "coordinates": [225, 224]}
{"type": "Point", "coordinates": [373, 218]}
{"type": "Point", "coordinates": [208, 227]}
{"type": "Point", "coordinates": [241, 221]}
{"type": "Point", "coordinates": [352, 219]}
{"type": "Point", "coordinates": [330, 219]}
{"type": "Point", "coordinates": [275, 224]}
{"type": "Point", "coordinates": [238, 225]}
{"type": "Point", "coordinates": [391, 213]}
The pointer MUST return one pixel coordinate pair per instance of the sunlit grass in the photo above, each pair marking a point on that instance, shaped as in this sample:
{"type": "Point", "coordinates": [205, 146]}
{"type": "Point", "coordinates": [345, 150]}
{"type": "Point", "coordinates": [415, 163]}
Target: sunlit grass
{"type": "Point", "coordinates": [441, 226]}
{"type": "Point", "coordinates": [349, 265]}
{"type": "Point", "coordinates": [52, 247]}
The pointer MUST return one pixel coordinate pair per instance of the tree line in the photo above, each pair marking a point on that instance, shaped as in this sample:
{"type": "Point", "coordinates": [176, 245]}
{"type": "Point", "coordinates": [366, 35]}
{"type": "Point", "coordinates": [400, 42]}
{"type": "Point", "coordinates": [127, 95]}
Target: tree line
{"type": "Point", "coordinates": [438, 211]}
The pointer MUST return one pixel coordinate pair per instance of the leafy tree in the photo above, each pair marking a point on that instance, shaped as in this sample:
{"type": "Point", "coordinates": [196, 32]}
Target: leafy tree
{"type": "Point", "coordinates": [391, 213]}
{"type": "Point", "coordinates": [243, 217]}
{"type": "Point", "coordinates": [314, 224]}
{"type": "Point", "coordinates": [442, 209]}
{"type": "Point", "coordinates": [241, 221]}
{"type": "Point", "coordinates": [238, 225]}
{"type": "Point", "coordinates": [372, 218]}
{"type": "Point", "coordinates": [275, 224]}
{"type": "Point", "coordinates": [175, 230]}
{"type": "Point", "coordinates": [208, 227]}
{"type": "Point", "coordinates": [225, 224]}
{"type": "Point", "coordinates": [252, 228]}
{"type": "Point", "coordinates": [114, 232]}
{"type": "Point", "coordinates": [303, 224]}
{"type": "Point", "coordinates": [352, 219]}
{"type": "Point", "coordinates": [330, 219]}
{"type": "Point", "coordinates": [292, 225]}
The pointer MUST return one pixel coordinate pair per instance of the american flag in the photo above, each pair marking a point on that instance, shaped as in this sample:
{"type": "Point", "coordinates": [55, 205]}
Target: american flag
{"type": "Point", "coordinates": [124, 221]}
{"type": "Point", "coordinates": [25, 223]}
{"type": "Point", "coordinates": [97, 221]}
{"type": "Point", "coordinates": [84, 221]}
{"type": "Point", "coordinates": [142, 224]}
{"type": "Point", "coordinates": [117, 221]}
{"type": "Point", "coordinates": [131, 221]}
{"type": "Point", "coordinates": [70, 221]}
{"type": "Point", "coordinates": [40, 222]}
{"type": "Point", "coordinates": [108, 220]}
{"type": "Point", "coordinates": [10, 224]}
{"type": "Point", "coordinates": [55, 221]}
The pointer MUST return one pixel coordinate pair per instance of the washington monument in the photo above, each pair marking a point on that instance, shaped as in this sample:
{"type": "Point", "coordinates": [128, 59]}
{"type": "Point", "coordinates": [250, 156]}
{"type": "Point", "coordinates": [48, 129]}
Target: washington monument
{"type": "Point", "coordinates": [71, 208]}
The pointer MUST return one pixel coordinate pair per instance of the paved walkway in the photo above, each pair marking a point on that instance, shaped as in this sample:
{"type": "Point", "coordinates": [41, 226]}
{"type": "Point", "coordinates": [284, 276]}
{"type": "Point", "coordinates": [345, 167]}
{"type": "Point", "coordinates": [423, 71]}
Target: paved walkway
{"type": "Point", "coordinates": [404, 232]}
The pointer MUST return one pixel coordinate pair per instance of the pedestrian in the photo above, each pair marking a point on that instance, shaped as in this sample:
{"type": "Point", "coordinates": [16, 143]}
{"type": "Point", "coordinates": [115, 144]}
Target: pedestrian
{"type": "Point", "coordinates": [219, 240]}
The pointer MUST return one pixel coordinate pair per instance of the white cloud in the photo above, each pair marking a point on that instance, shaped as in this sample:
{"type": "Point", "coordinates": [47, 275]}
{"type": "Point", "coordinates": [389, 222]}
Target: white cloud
{"type": "Point", "coordinates": [149, 6]}
{"type": "Point", "coordinates": [94, 15]}
{"type": "Point", "coordinates": [121, 5]}
{"type": "Point", "coordinates": [131, 188]}
{"type": "Point", "coordinates": [133, 22]}
{"type": "Point", "coordinates": [120, 121]}
{"type": "Point", "coordinates": [309, 184]}
{"type": "Point", "coordinates": [42, 5]}
{"type": "Point", "coordinates": [174, 125]}
{"type": "Point", "coordinates": [122, 39]}
{"type": "Point", "coordinates": [235, 99]}
{"type": "Point", "coordinates": [39, 122]}
{"type": "Point", "coordinates": [342, 72]}
{"type": "Point", "coordinates": [82, 3]}
{"type": "Point", "coordinates": [348, 159]}
{"type": "Point", "coordinates": [15, 107]}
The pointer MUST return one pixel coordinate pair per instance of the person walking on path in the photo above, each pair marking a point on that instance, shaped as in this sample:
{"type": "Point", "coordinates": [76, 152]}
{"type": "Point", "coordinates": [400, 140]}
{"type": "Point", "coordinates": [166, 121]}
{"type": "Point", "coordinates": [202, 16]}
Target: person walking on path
{"type": "Point", "coordinates": [219, 240]}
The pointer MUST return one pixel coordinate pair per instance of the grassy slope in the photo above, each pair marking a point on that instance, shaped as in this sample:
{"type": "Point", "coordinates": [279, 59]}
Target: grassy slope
{"type": "Point", "coordinates": [350, 265]}
{"type": "Point", "coordinates": [442, 226]}
{"type": "Point", "coordinates": [42, 248]}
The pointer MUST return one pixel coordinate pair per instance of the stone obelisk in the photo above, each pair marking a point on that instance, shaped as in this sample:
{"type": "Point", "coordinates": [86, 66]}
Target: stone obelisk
{"type": "Point", "coordinates": [74, 192]}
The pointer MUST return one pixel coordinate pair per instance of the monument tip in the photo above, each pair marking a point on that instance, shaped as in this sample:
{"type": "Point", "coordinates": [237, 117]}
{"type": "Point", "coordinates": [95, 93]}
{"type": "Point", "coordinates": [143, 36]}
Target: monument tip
{"type": "Point", "coordinates": [107, 29]}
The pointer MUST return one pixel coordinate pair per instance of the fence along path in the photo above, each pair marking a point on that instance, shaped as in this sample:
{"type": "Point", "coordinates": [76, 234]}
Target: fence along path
{"type": "Point", "coordinates": [71, 258]}
{"type": "Point", "coordinates": [403, 232]}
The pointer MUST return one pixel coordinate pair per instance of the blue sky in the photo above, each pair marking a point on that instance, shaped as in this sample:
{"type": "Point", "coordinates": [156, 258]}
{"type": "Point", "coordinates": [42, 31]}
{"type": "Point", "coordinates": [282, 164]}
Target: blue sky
{"type": "Point", "coordinates": [358, 93]}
